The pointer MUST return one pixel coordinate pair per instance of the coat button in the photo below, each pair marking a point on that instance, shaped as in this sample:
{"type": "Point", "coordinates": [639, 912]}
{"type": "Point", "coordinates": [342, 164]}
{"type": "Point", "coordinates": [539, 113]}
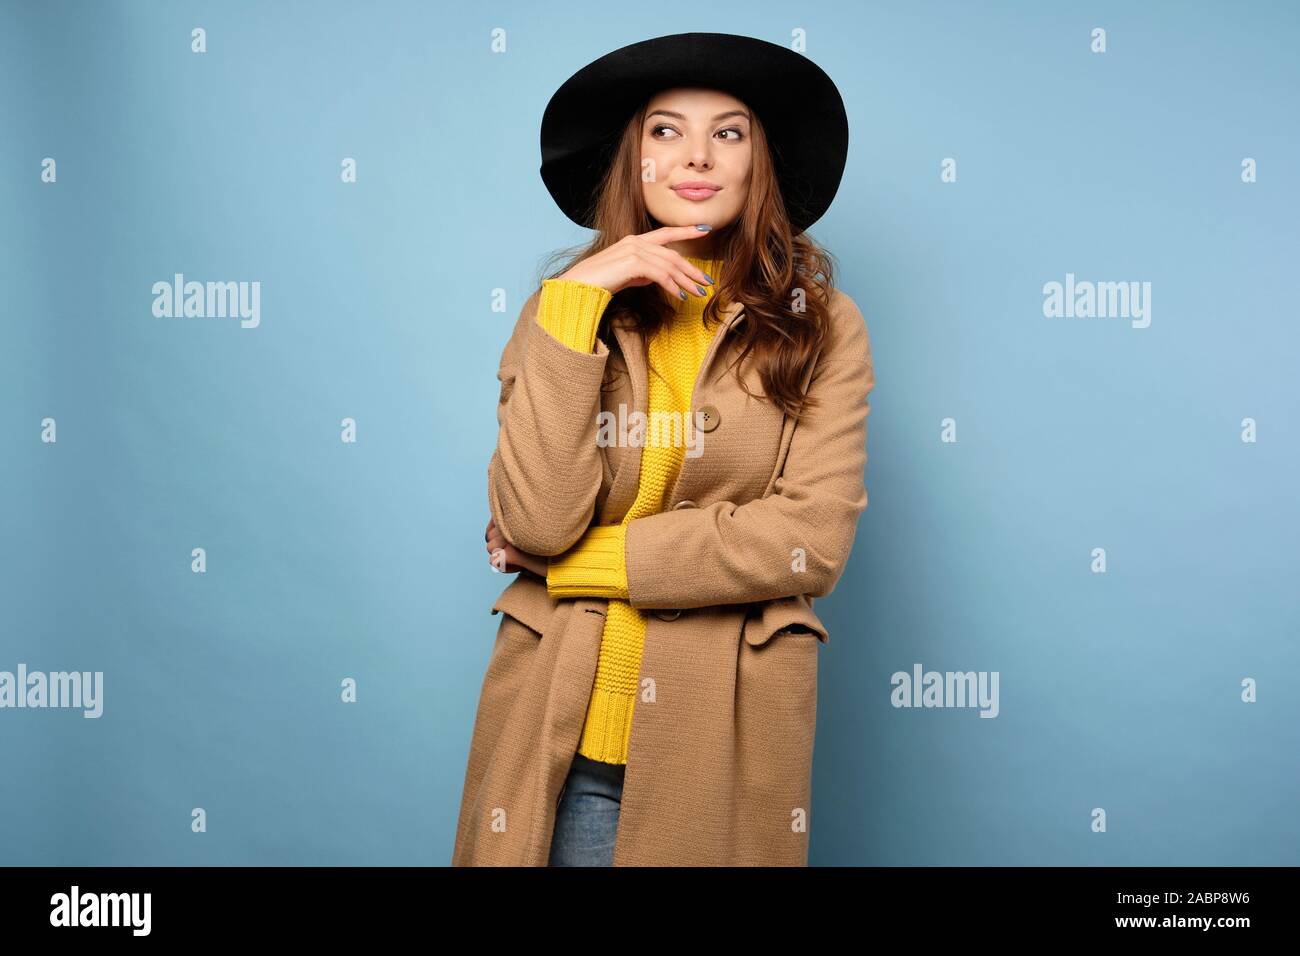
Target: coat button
{"type": "Point", "coordinates": [668, 615]}
{"type": "Point", "coordinates": [684, 503]}
{"type": "Point", "coordinates": [708, 417]}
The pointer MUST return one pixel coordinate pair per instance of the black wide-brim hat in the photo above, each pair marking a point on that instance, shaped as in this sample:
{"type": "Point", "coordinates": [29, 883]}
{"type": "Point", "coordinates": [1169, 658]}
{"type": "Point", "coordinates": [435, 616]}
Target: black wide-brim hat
{"type": "Point", "coordinates": [798, 104]}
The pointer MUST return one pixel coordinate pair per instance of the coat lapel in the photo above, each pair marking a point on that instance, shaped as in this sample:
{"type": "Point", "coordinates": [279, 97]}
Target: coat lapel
{"type": "Point", "coordinates": [627, 477]}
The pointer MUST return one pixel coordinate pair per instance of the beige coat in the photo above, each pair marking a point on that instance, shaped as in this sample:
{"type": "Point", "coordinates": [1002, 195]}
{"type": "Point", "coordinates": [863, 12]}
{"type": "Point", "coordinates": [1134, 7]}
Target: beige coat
{"type": "Point", "coordinates": [720, 755]}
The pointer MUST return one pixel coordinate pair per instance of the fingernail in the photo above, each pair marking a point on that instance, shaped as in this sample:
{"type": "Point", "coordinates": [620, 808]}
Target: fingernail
{"type": "Point", "coordinates": [708, 279]}
{"type": "Point", "coordinates": [681, 293]}
{"type": "Point", "coordinates": [703, 228]}
{"type": "Point", "coordinates": [701, 288]}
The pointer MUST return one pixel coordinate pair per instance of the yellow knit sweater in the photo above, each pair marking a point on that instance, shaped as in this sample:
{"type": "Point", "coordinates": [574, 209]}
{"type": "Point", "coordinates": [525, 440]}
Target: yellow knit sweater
{"type": "Point", "coordinates": [595, 566]}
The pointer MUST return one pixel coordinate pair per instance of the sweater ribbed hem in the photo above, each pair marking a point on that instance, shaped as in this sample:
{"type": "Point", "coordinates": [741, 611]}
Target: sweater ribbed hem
{"type": "Point", "coordinates": [571, 311]}
{"type": "Point", "coordinates": [594, 567]}
{"type": "Point", "coordinates": [608, 727]}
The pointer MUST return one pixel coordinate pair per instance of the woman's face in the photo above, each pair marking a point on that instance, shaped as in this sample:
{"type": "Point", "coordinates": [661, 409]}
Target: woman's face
{"type": "Point", "coordinates": [695, 136]}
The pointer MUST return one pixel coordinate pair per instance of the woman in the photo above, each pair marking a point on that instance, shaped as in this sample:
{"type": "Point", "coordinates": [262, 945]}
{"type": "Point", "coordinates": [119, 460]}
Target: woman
{"type": "Point", "coordinates": [651, 698]}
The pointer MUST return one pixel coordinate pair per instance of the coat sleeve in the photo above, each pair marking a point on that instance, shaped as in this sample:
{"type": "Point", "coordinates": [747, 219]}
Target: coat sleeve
{"type": "Point", "coordinates": [546, 470]}
{"type": "Point", "coordinates": [796, 540]}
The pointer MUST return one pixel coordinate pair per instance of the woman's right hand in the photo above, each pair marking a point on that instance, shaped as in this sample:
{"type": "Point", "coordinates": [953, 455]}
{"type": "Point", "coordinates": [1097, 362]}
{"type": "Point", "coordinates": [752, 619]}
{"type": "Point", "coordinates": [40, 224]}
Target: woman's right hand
{"type": "Point", "coordinates": [506, 558]}
{"type": "Point", "coordinates": [642, 260]}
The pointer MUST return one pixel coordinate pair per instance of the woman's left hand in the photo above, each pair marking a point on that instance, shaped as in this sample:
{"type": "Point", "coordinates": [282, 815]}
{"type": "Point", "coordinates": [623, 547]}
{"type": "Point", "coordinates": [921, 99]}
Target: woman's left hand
{"type": "Point", "coordinates": [505, 557]}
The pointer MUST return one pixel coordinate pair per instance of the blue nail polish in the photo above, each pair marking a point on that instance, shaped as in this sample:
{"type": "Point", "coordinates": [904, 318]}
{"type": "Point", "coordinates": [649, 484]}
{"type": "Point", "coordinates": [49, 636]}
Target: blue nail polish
{"type": "Point", "coordinates": [701, 288]}
{"type": "Point", "coordinates": [703, 228]}
{"type": "Point", "coordinates": [681, 293]}
{"type": "Point", "coordinates": [708, 278]}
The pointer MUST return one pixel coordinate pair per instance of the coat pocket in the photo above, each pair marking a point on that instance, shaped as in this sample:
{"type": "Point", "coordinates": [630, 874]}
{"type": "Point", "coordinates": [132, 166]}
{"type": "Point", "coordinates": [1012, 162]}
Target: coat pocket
{"type": "Point", "coordinates": [792, 614]}
{"type": "Point", "coordinates": [527, 601]}
{"type": "Point", "coordinates": [775, 726]}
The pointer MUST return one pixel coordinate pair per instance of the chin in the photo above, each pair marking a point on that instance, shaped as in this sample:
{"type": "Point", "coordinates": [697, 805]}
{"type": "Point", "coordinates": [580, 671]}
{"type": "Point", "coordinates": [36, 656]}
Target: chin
{"type": "Point", "coordinates": [671, 219]}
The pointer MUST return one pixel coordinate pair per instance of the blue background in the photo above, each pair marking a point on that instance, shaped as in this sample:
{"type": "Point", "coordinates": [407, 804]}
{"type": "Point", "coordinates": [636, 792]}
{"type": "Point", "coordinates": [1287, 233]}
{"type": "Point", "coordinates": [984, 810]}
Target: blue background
{"type": "Point", "coordinates": [328, 560]}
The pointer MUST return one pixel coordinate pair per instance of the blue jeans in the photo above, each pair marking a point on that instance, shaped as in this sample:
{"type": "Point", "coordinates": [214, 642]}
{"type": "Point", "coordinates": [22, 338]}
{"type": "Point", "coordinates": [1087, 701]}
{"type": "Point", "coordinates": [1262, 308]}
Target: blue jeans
{"type": "Point", "coordinates": [586, 821]}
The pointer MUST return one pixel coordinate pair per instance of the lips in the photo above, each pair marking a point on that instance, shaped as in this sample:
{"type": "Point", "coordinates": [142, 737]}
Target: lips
{"type": "Point", "coordinates": [695, 191]}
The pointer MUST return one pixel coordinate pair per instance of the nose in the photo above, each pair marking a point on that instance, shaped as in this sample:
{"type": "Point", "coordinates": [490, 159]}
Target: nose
{"type": "Point", "coordinates": [701, 157]}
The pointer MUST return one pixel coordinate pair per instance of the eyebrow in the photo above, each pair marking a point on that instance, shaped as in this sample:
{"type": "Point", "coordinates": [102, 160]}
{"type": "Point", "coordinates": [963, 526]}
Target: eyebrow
{"type": "Point", "coordinates": [720, 116]}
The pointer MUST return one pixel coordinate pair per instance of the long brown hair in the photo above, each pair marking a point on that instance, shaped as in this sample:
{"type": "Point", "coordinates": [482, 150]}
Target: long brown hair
{"type": "Point", "coordinates": [784, 282]}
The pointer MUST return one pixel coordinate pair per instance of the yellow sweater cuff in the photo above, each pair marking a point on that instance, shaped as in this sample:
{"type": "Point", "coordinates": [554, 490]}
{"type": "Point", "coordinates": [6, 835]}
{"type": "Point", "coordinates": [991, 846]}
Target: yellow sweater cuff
{"type": "Point", "coordinates": [594, 567]}
{"type": "Point", "coordinates": [570, 311]}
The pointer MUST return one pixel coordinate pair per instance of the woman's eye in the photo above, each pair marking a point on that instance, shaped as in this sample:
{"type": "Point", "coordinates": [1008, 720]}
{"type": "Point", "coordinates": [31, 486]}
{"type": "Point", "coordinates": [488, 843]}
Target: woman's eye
{"type": "Point", "coordinates": [738, 134]}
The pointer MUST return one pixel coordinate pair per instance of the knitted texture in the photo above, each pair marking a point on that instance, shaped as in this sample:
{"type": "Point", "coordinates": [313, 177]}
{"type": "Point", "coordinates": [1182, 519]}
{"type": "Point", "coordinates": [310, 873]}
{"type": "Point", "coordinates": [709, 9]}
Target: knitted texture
{"type": "Point", "coordinates": [596, 565]}
{"type": "Point", "coordinates": [571, 311]}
